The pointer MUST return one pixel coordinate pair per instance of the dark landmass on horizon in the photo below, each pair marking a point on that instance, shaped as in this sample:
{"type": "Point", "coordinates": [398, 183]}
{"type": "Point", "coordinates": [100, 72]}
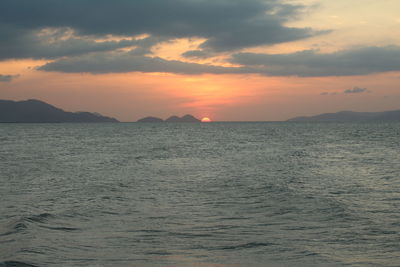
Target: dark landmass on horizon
{"type": "Point", "coordinates": [150, 119]}
{"type": "Point", "coordinates": [36, 111]}
{"type": "Point", "coordinates": [350, 116]}
{"type": "Point", "coordinates": [186, 118]}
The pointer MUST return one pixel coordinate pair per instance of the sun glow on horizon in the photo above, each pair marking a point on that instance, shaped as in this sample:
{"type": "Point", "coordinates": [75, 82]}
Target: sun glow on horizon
{"type": "Point", "coordinates": [206, 119]}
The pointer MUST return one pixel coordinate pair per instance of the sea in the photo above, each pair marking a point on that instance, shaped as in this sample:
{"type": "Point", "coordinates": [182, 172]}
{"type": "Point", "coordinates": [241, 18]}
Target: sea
{"type": "Point", "coordinates": [200, 194]}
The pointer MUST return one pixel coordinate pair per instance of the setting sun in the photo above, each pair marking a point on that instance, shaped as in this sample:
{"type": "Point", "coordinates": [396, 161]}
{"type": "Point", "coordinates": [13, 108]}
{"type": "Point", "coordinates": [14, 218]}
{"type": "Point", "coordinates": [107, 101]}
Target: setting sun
{"type": "Point", "coordinates": [205, 119]}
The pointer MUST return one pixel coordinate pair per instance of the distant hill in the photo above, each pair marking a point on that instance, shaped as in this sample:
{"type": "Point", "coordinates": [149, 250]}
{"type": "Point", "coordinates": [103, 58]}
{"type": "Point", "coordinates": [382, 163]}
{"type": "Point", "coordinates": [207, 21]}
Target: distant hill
{"type": "Point", "coordinates": [186, 118]}
{"type": "Point", "coordinates": [173, 119]}
{"type": "Point", "coordinates": [35, 111]}
{"type": "Point", "coordinates": [189, 118]}
{"type": "Point", "coordinates": [349, 116]}
{"type": "Point", "coordinates": [151, 119]}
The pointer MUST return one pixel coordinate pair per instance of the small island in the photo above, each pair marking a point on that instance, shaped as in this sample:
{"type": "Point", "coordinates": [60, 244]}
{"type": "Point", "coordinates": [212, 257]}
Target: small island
{"type": "Point", "coordinates": [173, 119]}
{"type": "Point", "coordinates": [351, 116]}
{"type": "Point", "coordinates": [150, 119]}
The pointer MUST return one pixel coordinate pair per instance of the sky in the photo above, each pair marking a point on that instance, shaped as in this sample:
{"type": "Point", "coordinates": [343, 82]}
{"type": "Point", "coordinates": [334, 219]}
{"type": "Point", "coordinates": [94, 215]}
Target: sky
{"type": "Point", "coordinates": [229, 60]}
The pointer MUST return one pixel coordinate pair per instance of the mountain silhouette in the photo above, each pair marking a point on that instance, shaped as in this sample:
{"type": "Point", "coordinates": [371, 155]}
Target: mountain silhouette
{"type": "Point", "coordinates": [189, 118]}
{"type": "Point", "coordinates": [186, 118]}
{"type": "Point", "coordinates": [175, 119]}
{"type": "Point", "coordinates": [349, 116]}
{"type": "Point", "coordinates": [150, 119]}
{"type": "Point", "coordinates": [36, 111]}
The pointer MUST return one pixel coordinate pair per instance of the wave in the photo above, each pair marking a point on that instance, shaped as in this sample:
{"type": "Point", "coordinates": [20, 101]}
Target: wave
{"type": "Point", "coordinates": [41, 220]}
{"type": "Point", "coordinates": [247, 245]}
{"type": "Point", "coordinates": [23, 223]}
{"type": "Point", "coordinates": [16, 264]}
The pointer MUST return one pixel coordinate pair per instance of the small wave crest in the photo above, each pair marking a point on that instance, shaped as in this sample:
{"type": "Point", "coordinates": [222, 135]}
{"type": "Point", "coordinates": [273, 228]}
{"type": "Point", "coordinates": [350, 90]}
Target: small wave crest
{"type": "Point", "coordinates": [65, 229]}
{"type": "Point", "coordinates": [247, 246]}
{"type": "Point", "coordinates": [16, 264]}
{"type": "Point", "coordinates": [23, 223]}
{"type": "Point", "coordinates": [42, 220]}
{"type": "Point", "coordinates": [43, 217]}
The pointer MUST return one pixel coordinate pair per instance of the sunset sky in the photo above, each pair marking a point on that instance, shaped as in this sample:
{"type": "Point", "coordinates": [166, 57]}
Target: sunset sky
{"type": "Point", "coordinates": [229, 60]}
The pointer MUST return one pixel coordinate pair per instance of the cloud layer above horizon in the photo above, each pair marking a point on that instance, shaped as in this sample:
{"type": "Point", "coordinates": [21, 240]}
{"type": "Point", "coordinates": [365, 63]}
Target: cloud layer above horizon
{"type": "Point", "coordinates": [227, 25]}
{"type": "Point", "coordinates": [102, 36]}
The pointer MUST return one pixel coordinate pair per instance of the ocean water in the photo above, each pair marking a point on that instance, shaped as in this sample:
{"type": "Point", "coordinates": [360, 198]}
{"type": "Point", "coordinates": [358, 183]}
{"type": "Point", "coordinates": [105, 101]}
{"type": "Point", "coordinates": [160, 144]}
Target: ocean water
{"type": "Point", "coordinates": [218, 194]}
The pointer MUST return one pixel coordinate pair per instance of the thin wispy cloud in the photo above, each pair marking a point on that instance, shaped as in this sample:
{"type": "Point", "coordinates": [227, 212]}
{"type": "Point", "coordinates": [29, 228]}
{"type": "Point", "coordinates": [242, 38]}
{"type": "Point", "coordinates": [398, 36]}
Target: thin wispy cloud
{"type": "Point", "coordinates": [356, 90]}
{"type": "Point", "coordinates": [328, 93]}
{"type": "Point", "coordinates": [7, 78]}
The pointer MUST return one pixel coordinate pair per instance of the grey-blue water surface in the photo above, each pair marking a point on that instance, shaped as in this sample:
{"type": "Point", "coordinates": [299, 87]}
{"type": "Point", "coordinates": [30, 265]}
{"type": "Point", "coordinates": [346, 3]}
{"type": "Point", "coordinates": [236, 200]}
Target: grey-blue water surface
{"type": "Point", "coordinates": [218, 194]}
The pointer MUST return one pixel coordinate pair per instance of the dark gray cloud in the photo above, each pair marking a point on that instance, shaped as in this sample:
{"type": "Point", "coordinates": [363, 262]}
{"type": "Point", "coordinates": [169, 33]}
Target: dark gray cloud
{"type": "Point", "coordinates": [143, 46]}
{"type": "Point", "coordinates": [357, 61]}
{"type": "Point", "coordinates": [7, 78]}
{"type": "Point", "coordinates": [63, 30]}
{"type": "Point", "coordinates": [226, 24]}
{"type": "Point", "coordinates": [356, 90]}
{"type": "Point", "coordinates": [97, 63]}
{"type": "Point", "coordinates": [261, 35]}
{"type": "Point", "coordinates": [53, 43]}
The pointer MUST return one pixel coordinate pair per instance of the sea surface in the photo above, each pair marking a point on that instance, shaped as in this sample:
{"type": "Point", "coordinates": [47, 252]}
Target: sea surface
{"type": "Point", "coordinates": [216, 194]}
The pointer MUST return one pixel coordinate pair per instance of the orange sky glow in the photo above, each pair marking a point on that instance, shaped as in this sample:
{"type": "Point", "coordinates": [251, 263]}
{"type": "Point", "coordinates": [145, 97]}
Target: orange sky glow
{"type": "Point", "coordinates": [245, 96]}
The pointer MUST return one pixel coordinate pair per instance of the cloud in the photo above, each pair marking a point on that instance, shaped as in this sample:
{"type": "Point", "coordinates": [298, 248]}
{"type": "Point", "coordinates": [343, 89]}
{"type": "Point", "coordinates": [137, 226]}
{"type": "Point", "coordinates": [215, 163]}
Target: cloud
{"type": "Point", "coordinates": [356, 61]}
{"type": "Point", "coordinates": [100, 31]}
{"type": "Point", "coordinates": [97, 63]}
{"type": "Point", "coordinates": [196, 54]}
{"type": "Point", "coordinates": [52, 43]}
{"type": "Point", "coordinates": [359, 61]}
{"type": "Point", "coordinates": [356, 90]}
{"type": "Point", "coordinates": [7, 78]}
{"type": "Point", "coordinates": [327, 93]}
{"type": "Point", "coordinates": [225, 24]}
